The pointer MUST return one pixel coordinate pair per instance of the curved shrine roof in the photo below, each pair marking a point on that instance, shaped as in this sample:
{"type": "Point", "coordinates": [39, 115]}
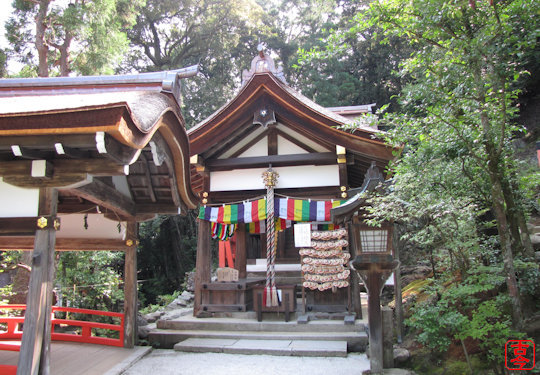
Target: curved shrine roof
{"type": "Point", "coordinates": [124, 120]}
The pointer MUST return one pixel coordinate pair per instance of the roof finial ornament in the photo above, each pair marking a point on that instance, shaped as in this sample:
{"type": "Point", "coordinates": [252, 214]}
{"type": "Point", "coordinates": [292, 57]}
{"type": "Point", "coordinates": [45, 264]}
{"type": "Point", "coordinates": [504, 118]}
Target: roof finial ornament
{"type": "Point", "coordinates": [260, 64]}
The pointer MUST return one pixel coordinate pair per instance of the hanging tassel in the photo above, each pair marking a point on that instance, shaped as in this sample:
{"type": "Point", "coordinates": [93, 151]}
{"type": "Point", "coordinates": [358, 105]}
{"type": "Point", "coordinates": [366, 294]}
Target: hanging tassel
{"type": "Point", "coordinates": [275, 299]}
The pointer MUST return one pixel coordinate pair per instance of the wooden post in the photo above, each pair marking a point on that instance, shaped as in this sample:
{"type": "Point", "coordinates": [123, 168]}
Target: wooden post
{"type": "Point", "coordinates": [240, 262]}
{"type": "Point", "coordinates": [354, 239]}
{"type": "Point", "coordinates": [202, 263]}
{"type": "Point", "coordinates": [388, 337]}
{"type": "Point", "coordinates": [374, 277]}
{"type": "Point", "coordinates": [34, 356]}
{"type": "Point", "coordinates": [130, 286]}
{"type": "Point", "coordinates": [397, 287]}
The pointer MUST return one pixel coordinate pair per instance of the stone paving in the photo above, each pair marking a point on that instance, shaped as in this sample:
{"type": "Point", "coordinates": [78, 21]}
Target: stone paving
{"type": "Point", "coordinates": [169, 362]}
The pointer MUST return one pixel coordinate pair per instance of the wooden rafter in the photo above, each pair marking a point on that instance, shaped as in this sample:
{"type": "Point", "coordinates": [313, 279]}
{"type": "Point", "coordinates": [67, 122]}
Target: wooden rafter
{"type": "Point", "coordinates": [103, 195]}
{"type": "Point", "coordinates": [219, 149]}
{"type": "Point", "coordinates": [148, 178]}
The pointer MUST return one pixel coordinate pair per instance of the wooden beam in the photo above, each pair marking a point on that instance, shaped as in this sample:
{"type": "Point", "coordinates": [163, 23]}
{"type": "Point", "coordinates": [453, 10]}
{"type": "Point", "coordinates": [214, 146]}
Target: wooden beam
{"type": "Point", "coordinates": [64, 167]}
{"type": "Point", "coordinates": [323, 192]}
{"type": "Point", "coordinates": [54, 182]}
{"type": "Point", "coordinates": [18, 226]}
{"type": "Point", "coordinates": [272, 140]}
{"type": "Point", "coordinates": [198, 162]}
{"type": "Point", "coordinates": [27, 153]}
{"type": "Point", "coordinates": [114, 150]}
{"type": "Point", "coordinates": [130, 288]}
{"type": "Point", "coordinates": [320, 158]}
{"type": "Point", "coordinates": [9, 243]}
{"type": "Point", "coordinates": [86, 141]}
{"type": "Point", "coordinates": [103, 195]}
{"type": "Point", "coordinates": [35, 343]}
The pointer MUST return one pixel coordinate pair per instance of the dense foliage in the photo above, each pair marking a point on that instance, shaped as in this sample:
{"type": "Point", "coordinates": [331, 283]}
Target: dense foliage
{"type": "Point", "coordinates": [167, 251]}
{"type": "Point", "coordinates": [85, 37]}
{"type": "Point", "coordinates": [458, 185]}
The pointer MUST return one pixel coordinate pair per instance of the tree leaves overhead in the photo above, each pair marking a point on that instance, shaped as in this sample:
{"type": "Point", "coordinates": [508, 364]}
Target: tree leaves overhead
{"type": "Point", "coordinates": [344, 65]}
{"type": "Point", "coordinates": [85, 37]}
{"type": "Point", "coordinates": [220, 35]}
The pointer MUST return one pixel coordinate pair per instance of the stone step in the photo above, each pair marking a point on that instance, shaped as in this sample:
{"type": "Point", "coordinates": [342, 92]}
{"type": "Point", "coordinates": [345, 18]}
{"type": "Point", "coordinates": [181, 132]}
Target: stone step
{"type": "Point", "coordinates": [356, 341]}
{"type": "Point", "coordinates": [314, 348]}
{"type": "Point", "coordinates": [232, 324]}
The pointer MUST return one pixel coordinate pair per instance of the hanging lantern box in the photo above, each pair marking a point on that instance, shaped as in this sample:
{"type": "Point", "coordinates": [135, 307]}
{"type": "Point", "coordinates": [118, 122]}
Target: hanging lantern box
{"type": "Point", "coordinates": [372, 245]}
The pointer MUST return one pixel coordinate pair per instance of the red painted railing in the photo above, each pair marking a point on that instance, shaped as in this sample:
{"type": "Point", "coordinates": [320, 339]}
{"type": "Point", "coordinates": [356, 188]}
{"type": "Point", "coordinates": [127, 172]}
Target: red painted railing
{"type": "Point", "coordinates": [13, 324]}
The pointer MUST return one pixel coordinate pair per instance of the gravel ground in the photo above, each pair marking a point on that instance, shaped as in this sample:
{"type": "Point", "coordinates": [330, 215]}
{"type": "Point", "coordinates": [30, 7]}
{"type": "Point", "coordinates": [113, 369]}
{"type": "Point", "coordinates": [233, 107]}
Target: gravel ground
{"type": "Point", "coordinates": [165, 362]}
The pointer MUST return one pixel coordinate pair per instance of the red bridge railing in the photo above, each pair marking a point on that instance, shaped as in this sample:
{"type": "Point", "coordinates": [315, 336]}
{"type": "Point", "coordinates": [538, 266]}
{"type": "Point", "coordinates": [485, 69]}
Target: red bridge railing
{"type": "Point", "coordinates": [12, 327]}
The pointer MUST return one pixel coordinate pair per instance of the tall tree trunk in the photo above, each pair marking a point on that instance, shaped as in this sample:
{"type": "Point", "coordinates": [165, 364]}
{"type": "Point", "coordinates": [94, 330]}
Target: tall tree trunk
{"type": "Point", "coordinates": [41, 43]}
{"type": "Point", "coordinates": [496, 165]}
{"type": "Point", "coordinates": [64, 55]}
{"type": "Point", "coordinates": [506, 248]}
{"type": "Point", "coordinates": [528, 249]}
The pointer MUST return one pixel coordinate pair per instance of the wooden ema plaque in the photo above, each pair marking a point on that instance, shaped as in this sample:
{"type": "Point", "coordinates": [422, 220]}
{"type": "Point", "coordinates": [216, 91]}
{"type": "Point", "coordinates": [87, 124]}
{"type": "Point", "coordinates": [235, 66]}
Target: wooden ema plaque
{"type": "Point", "coordinates": [227, 274]}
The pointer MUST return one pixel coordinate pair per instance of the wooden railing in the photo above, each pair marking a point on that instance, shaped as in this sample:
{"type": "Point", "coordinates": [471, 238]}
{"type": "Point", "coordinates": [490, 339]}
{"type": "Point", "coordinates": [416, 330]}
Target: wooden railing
{"type": "Point", "coordinates": [13, 324]}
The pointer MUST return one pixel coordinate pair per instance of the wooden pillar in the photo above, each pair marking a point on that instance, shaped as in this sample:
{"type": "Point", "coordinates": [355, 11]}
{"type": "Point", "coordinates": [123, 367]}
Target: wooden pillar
{"type": "Point", "coordinates": [241, 251]}
{"type": "Point", "coordinates": [374, 278]}
{"type": "Point", "coordinates": [34, 356]}
{"type": "Point", "coordinates": [388, 337]}
{"type": "Point", "coordinates": [354, 239]}
{"type": "Point", "coordinates": [202, 264]}
{"type": "Point", "coordinates": [130, 286]}
{"type": "Point", "coordinates": [397, 287]}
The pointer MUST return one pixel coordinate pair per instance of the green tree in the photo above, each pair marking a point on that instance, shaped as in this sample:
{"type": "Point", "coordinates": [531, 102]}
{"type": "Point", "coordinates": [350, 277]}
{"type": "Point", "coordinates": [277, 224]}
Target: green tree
{"type": "Point", "coordinates": [167, 251]}
{"type": "Point", "coordinates": [357, 69]}
{"type": "Point", "coordinates": [468, 59]}
{"type": "Point", "coordinates": [86, 37]}
{"type": "Point", "coordinates": [217, 34]}
{"type": "Point", "coordinates": [3, 64]}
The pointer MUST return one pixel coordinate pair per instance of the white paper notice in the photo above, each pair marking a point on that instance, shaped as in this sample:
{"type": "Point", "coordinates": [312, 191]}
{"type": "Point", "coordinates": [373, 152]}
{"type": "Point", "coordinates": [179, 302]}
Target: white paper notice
{"type": "Point", "coordinates": [302, 235]}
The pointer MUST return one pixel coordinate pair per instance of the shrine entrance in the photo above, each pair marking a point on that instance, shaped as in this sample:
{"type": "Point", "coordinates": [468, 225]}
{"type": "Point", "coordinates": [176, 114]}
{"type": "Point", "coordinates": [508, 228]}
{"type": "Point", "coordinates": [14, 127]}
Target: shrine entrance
{"type": "Point", "coordinates": [270, 128]}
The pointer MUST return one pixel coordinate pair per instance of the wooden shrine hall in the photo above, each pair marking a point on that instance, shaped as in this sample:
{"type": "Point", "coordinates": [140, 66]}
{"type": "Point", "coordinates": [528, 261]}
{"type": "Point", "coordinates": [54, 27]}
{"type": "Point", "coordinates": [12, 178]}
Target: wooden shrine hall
{"type": "Point", "coordinates": [82, 161]}
{"type": "Point", "coordinates": [273, 161]}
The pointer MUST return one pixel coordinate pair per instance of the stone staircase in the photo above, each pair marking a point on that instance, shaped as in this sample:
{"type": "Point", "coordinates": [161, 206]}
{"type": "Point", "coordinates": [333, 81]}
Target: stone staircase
{"type": "Point", "coordinates": [243, 334]}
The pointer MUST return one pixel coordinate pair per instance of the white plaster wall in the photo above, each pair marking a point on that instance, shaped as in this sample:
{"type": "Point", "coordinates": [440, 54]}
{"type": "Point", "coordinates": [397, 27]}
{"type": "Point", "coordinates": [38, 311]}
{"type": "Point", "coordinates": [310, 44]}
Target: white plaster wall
{"type": "Point", "coordinates": [72, 226]}
{"type": "Point", "coordinates": [242, 143]}
{"type": "Point", "coordinates": [303, 139]}
{"type": "Point", "coordinates": [289, 177]}
{"type": "Point", "coordinates": [258, 149]}
{"type": "Point", "coordinates": [18, 202]}
{"type": "Point", "coordinates": [286, 147]}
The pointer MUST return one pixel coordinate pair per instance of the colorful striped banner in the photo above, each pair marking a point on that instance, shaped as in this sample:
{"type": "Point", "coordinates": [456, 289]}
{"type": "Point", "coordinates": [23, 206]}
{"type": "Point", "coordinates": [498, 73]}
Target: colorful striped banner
{"type": "Point", "coordinates": [299, 210]}
{"type": "Point", "coordinates": [248, 212]}
{"type": "Point", "coordinates": [256, 227]}
{"type": "Point", "coordinates": [223, 231]}
{"type": "Point", "coordinates": [304, 210]}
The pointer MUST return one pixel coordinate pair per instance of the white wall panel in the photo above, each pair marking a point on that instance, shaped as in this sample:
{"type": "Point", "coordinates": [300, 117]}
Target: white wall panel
{"type": "Point", "coordinates": [72, 226]}
{"type": "Point", "coordinates": [18, 202]}
{"type": "Point", "coordinates": [286, 147]}
{"type": "Point", "coordinates": [289, 177]}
